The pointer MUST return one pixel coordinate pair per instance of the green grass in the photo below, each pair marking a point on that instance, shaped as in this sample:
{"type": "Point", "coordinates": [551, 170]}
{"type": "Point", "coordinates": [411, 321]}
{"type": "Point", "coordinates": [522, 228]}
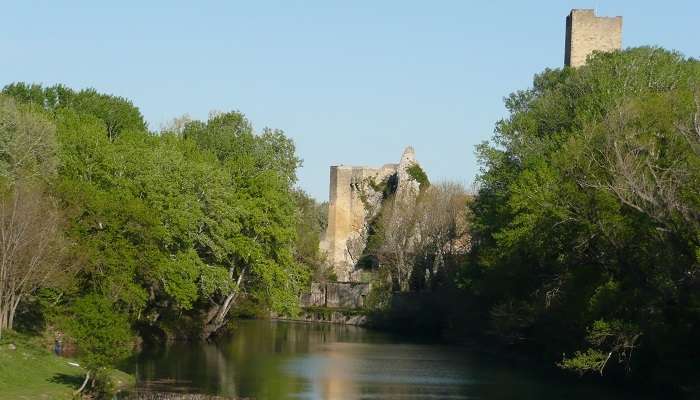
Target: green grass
{"type": "Point", "coordinates": [32, 372]}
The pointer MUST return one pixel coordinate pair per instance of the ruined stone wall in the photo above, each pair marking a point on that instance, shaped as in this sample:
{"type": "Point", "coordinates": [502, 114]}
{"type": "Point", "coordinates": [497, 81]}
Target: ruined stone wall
{"type": "Point", "coordinates": [348, 209]}
{"type": "Point", "coordinates": [586, 33]}
{"type": "Point", "coordinates": [336, 295]}
{"type": "Point", "coordinates": [353, 201]}
{"type": "Point", "coordinates": [346, 294]}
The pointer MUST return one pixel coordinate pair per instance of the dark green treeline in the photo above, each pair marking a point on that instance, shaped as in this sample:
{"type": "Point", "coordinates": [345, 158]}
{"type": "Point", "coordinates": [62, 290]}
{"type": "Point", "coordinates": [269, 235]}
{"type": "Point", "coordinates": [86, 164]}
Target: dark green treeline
{"type": "Point", "coordinates": [586, 226]}
{"type": "Point", "coordinates": [161, 233]}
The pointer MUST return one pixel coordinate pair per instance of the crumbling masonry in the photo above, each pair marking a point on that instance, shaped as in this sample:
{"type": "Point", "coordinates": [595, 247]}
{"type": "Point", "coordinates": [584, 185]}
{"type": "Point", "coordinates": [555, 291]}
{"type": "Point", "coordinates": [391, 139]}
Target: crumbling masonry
{"type": "Point", "coordinates": [354, 197]}
{"type": "Point", "coordinates": [353, 200]}
{"type": "Point", "coordinates": [586, 33]}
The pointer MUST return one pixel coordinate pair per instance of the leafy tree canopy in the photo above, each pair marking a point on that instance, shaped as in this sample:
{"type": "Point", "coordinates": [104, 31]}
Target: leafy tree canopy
{"type": "Point", "coordinates": [588, 210]}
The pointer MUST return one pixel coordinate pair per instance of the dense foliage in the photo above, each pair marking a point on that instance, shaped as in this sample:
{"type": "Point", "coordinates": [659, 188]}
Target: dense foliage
{"type": "Point", "coordinates": [169, 231]}
{"type": "Point", "coordinates": [311, 223]}
{"type": "Point", "coordinates": [582, 245]}
{"type": "Point", "coordinates": [586, 228]}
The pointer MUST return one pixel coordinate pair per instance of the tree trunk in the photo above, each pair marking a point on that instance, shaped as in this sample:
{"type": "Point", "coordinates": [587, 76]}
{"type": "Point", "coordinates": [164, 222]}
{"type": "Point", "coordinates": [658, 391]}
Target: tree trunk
{"type": "Point", "coordinates": [2, 319]}
{"type": "Point", "coordinates": [13, 311]}
{"type": "Point", "coordinates": [82, 387]}
{"type": "Point", "coordinates": [216, 317]}
{"type": "Point", "coordinates": [602, 367]}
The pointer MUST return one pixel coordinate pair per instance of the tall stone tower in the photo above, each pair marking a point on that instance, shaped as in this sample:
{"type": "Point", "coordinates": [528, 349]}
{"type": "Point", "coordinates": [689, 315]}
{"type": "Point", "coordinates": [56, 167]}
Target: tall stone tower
{"type": "Point", "coordinates": [353, 200]}
{"type": "Point", "coordinates": [586, 33]}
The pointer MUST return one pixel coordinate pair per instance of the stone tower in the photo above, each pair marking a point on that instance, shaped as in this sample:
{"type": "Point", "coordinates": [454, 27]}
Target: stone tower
{"type": "Point", "coordinates": [586, 33]}
{"type": "Point", "coordinates": [353, 200]}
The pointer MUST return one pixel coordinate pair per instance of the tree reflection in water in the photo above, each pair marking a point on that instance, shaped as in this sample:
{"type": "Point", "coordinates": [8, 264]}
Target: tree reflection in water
{"type": "Point", "coordinates": [287, 360]}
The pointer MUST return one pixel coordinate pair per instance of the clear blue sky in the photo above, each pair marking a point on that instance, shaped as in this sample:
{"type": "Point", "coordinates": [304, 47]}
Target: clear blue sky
{"type": "Point", "coordinates": [352, 82]}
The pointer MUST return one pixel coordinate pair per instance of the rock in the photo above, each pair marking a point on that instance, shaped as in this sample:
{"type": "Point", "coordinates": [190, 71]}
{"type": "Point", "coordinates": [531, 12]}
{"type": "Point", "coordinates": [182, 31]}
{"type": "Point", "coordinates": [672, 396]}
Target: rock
{"type": "Point", "coordinates": [407, 185]}
{"type": "Point", "coordinates": [12, 346]}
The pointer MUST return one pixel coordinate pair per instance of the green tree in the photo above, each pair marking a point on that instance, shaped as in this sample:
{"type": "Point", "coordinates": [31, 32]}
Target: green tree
{"type": "Point", "coordinates": [184, 223]}
{"type": "Point", "coordinates": [27, 144]}
{"type": "Point", "coordinates": [48, 98]}
{"type": "Point", "coordinates": [116, 113]}
{"type": "Point", "coordinates": [102, 333]}
{"type": "Point", "coordinates": [587, 215]}
{"type": "Point", "coordinates": [251, 230]}
{"type": "Point", "coordinates": [32, 245]}
{"type": "Point", "coordinates": [311, 222]}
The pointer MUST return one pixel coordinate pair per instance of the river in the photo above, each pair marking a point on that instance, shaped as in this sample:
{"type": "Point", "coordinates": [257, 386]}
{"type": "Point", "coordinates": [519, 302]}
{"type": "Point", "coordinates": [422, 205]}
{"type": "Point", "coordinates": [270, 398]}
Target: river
{"type": "Point", "coordinates": [290, 360]}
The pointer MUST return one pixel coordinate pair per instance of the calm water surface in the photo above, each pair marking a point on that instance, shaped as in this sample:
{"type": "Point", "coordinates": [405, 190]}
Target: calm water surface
{"type": "Point", "coordinates": [288, 360]}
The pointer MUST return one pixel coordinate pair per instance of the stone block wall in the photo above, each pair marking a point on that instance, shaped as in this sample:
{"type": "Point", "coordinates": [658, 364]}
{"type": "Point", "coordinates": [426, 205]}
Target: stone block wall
{"type": "Point", "coordinates": [586, 33]}
{"type": "Point", "coordinates": [347, 213]}
{"type": "Point", "coordinates": [316, 297]}
{"type": "Point", "coordinates": [336, 295]}
{"type": "Point", "coordinates": [352, 203]}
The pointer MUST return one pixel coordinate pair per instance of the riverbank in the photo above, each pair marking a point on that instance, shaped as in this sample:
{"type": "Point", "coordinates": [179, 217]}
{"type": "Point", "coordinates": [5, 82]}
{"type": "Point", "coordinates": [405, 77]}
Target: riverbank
{"type": "Point", "coordinates": [176, 396]}
{"type": "Point", "coordinates": [314, 361]}
{"type": "Point", "coordinates": [345, 316]}
{"type": "Point", "coordinates": [28, 370]}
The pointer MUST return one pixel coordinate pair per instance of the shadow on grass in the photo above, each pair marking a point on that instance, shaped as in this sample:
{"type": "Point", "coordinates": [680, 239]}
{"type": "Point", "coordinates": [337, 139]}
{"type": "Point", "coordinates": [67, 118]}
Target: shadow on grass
{"type": "Point", "coordinates": [71, 380]}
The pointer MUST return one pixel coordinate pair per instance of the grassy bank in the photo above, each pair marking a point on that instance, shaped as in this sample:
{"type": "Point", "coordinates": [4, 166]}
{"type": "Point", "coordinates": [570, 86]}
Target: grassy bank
{"type": "Point", "coordinates": [30, 371]}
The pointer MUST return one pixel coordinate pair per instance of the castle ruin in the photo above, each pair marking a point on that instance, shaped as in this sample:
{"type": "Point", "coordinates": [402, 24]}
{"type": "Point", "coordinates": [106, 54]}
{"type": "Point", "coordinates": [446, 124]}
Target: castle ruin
{"type": "Point", "coordinates": [586, 33]}
{"type": "Point", "coordinates": [353, 200]}
{"type": "Point", "coordinates": [357, 192]}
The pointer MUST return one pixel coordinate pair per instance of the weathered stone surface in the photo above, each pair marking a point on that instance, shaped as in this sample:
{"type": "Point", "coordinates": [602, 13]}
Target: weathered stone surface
{"type": "Point", "coordinates": [356, 194]}
{"type": "Point", "coordinates": [407, 187]}
{"type": "Point", "coordinates": [346, 295]}
{"type": "Point", "coordinates": [350, 204]}
{"type": "Point", "coordinates": [586, 33]}
{"type": "Point", "coordinates": [335, 317]}
{"type": "Point", "coordinates": [316, 297]}
{"type": "Point", "coordinates": [336, 295]}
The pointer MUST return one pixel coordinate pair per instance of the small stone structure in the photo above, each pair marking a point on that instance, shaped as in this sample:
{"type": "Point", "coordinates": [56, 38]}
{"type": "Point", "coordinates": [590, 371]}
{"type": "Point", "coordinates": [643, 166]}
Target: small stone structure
{"type": "Point", "coordinates": [336, 295]}
{"type": "Point", "coordinates": [586, 33]}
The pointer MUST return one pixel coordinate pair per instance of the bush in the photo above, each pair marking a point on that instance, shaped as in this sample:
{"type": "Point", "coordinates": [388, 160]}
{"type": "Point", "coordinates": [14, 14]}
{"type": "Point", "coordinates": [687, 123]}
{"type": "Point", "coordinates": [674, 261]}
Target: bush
{"type": "Point", "coordinates": [103, 336]}
{"type": "Point", "coordinates": [417, 173]}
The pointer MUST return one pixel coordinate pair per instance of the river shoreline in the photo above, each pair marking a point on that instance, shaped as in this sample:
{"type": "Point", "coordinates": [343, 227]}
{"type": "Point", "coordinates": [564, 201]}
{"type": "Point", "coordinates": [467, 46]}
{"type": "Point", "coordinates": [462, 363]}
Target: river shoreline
{"type": "Point", "coordinates": [356, 317]}
{"type": "Point", "coordinates": [471, 344]}
{"type": "Point", "coordinates": [299, 359]}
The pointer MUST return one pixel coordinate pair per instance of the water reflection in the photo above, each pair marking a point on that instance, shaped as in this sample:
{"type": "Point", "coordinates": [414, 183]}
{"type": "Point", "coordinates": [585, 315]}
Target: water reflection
{"type": "Point", "coordinates": [283, 360]}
